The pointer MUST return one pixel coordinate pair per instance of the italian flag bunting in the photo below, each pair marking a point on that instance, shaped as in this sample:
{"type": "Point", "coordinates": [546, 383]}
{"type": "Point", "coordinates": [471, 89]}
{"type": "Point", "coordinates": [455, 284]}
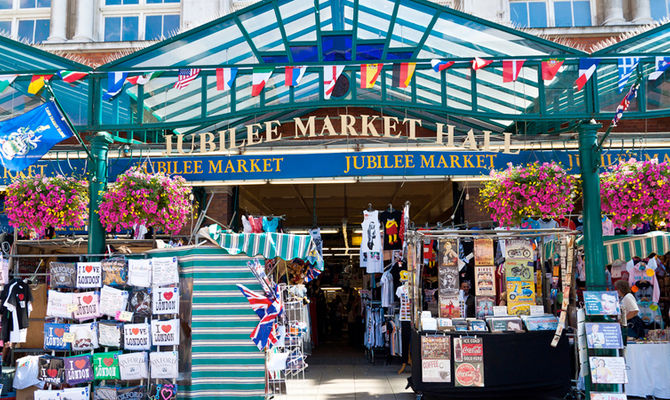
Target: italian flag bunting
{"type": "Point", "coordinates": [259, 78]}
{"type": "Point", "coordinates": [5, 81]}
{"type": "Point", "coordinates": [71, 76]}
{"type": "Point", "coordinates": [143, 79]}
{"type": "Point", "coordinates": [402, 74]}
{"type": "Point", "coordinates": [37, 83]}
{"type": "Point", "coordinates": [369, 75]}
{"type": "Point", "coordinates": [550, 68]}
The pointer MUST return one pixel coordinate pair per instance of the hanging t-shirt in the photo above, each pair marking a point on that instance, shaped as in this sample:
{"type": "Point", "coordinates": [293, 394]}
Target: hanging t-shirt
{"type": "Point", "coordinates": [608, 227]}
{"type": "Point", "coordinates": [270, 225]}
{"type": "Point", "coordinates": [164, 364]}
{"type": "Point", "coordinates": [114, 272]}
{"type": "Point", "coordinates": [550, 224]}
{"type": "Point", "coordinates": [139, 273]}
{"type": "Point", "coordinates": [53, 336]}
{"type": "Point", "coordinates": [105, 393]}
{"type": "Point", "coordinates": [165, 333]}
{"type": "Point", "coordinates": [131, 393]}
{"type": "Point", "coordinates": [136, 337]}
{"type": "Point", "coordinates": [85, 336]}
{"type": "Point", "coordinates": [63, 394]}
{"type": "Point", "coordinates": [51, 370]}
{"type": "Point", "coordinates": [89, 275]}
{"type": "Point", "coordinates": [133, 366]}
{"type": "Point", "coordinates": [109, 333]}
{"type": "Point", "coordinates": [371, 243]}
{"type": "Point", "coordinates": [63, 275]}
{"type": "Point", "coordinates": [644, 272]}
{"type": "Point", "coordinates": [386, 283]}
{"type": "Point", "coordinates": [165, 300]}
{"type": "Point", "coordinates": [58, 304]}
{"type": "Point", "coordinates": [390, 223]}
{"type": "Point", "coordinates": [19, 305]}
{"type": "Point", "coordinates": [112, 301]}
{"type": "Point", "coordinates": [164, 271]}
{"type": "Point", "coordinates": [87, 305]}
{"type": "Point", "coordinates": [78, 370]}
{"type": "Point", "coordinates": [140, 302]}
{"type": "Point", "coordinates": [316, 238]}
{"type": "Point", "coordinates": [106, 365]}
{"type": "Point", "coordinates": [403, 294]}
{"type": "Point", "coordinates": [164, 391]}
{"type": "Point", "coordinates": [26, 372]}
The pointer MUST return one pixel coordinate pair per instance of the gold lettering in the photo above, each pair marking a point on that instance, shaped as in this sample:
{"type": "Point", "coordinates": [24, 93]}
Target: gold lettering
{"type": "Point", "coordinates": [254, 164]}
{"type": "Point", "coordinates": [278, 161]}
{"type": "Point", "coordinates": [197, 164]}
{"type": "Point", "coordinates": [214, 168]}
{"type": "Point", "coordinates": [386, 161]}
{"type": "Point", "coordinates": [372, 162]}
{"type": "Point", "coordinates": [348, 125]}
{"type": "Point", "coordinates": [356, 164]}
{"type": "Point", "coordinates": [491, 157]}
{"type": "Point", "coordinates": [328, 126]}
{"type": "Point", "coordinates": [187, 167]}
{"type": "Point", "coordinates": [305, 130]}
{"type": "Point", "coordinates": [427, 162]}
{"type": "Point", "coordinates": [160, 166]}
{"type": "Point", "coordinates": [42, 169]}
{"type": "Point", "coordinates": [666, 158]}
{"type": "Point", "coordinates": [480, 159]}
{"type": "Point", "coordinates": [207, 142]}
{"type": "Point", "coordinates": [369, 125]}
{"type": "Point", "coordinates": [242, 165]}
{"type": "Point", "coordinates": [409, 160]}
{"type": "Point", "coordinates": [346, 170]}
{"type": "Point", "coordinates": [442, 163]}
{"type": "Point", "coordinates": [466, 161]}
{"type": "Point", "coordinates": [229, 165]}
{"type": "Point", "coordinates": [390, 126]}
{"type": "Point", "coordinates": [412, 126]}
{"type": "Point", "coordinates": [271, 132]}
{"type": "Point", "coordinates": [454, 161]}
{"type": "Point", "coordinates": [253, 134]}
{"type": "Point", "coordinates": [266, 165]}
{"type": "Point", "coordinates": [398, 161]}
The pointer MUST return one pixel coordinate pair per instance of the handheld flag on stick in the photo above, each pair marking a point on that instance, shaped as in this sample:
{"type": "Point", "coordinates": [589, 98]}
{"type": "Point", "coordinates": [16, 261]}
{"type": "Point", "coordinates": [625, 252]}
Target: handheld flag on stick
{"type": "Point", "coordinates": [265, 333]}
{"type": "Point", "coordinates": [625, 103]}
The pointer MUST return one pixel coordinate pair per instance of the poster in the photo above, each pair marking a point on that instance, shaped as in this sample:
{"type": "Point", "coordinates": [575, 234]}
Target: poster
{"type": "Point", "coordinates": [501, 324]}
{"type": "Point", "coordinates": [485, 281]}
{"type": "Point", "coordinates": [89, 275]}
{"type": "Point", "coordinates": [450, 307]}
{"type": "Point", "coordinates": [520, 296]}
{"type": "Point", "coordinates": [165, 300]}
{"type": "Point", "coordinates": [601, 303]}
{"type": "Point", "coordinates": [448, 252]}
{"type": "Point", "coordinates": [484, 306]}
{"type": "Point", "coordinates": [608, 396]}
{"type": "Point", "coordinates": [436, 358]}
{"type": "Point", "coordinates": [604, 335]}
{"type": "Point", "coordinates": [540, 322]}
{"type": "Point", "coordinates": [519, 270]}
{"type": "Point", "coordinates": [448, 280]}
{"type": "Point", "coordinates": [608, 370]}
{"type": "Point", "coordinates": [484, 252]}
{"type": "Point", "coordinates": [469, 361]}
{"type": "Point", "coordinates": [518, 249]}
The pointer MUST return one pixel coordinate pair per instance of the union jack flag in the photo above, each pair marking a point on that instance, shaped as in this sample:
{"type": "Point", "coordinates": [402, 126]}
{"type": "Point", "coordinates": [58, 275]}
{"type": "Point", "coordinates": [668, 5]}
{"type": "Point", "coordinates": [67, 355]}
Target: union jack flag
{"type": "Point", "coordinates": [265, 335]}
{"type": "Point", "coordinates": [185, 77]}
{"type": "Point", "coordinates": [312, 273]}
{"type": "Point", "coordinates": [625, 103]}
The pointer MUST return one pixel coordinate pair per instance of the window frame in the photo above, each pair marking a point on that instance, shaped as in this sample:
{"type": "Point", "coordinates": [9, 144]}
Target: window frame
{"type": "Point", "coordinates": [551, 15]}
{"type": "Point", "coordinates": [140, 10]}
{"type": "Point", "coordinates": [667, 10]}
{"type": "Point", "coordinates": [15, 14]}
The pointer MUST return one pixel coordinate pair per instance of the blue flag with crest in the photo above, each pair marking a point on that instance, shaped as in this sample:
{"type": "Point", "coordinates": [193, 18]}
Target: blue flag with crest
{"type": "Point", "coordinates": [26, 138]}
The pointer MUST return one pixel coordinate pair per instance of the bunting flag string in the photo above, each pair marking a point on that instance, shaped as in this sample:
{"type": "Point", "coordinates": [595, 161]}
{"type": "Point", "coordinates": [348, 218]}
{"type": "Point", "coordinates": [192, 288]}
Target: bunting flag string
{"type": "Point", "coordinates": [551, 67]}
{"type": "Point", "coordinates": [511, 69]}
{"type": "Point", "coordinates": [293, 75]}
{"type": "Point", "coordinates": [5, 81]}
{"type": "Point", "coordinates": [71, 76]}
{"type": "Point", "coordinates": [225, 78]}
{"type": "Point", "coordinates": [587, 66]}
{"type": "Point", "coordinates": [662, 64]}
{"type": "Point", "coordinates": [37, 83]}
{"type": "Point", "coordinates": [331, 74]}
{"type": "Point", "coordinates": [627, 66]}
{"type": "Point", "coordinates": [369, 75]}
{"type": "Point", "coordinates": [625, 103]}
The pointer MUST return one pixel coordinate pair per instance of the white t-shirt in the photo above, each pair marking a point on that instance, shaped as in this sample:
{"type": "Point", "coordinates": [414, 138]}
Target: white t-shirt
{"type": "Point", "coordinates": [386, 282]}
{"type": "Point", "coordinates": [403, 294]}
{"type": "Point", "coordinates": [628, 304]}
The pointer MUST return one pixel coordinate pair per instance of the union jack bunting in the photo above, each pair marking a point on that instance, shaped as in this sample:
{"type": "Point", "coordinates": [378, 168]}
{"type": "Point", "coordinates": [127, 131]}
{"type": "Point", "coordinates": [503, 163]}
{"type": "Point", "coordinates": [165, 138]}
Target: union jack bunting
{"type": "Point", "coordinates": [625, 103]}
{"type": "Point", "coordinates": [185, 77]}
{"type": "Point", "coordinates": [265, 335]}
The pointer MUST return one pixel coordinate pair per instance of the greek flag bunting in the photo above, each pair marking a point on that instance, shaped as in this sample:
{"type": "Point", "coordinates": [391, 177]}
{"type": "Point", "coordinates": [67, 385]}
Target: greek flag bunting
{"type": "Point", "coordinates": [627, 66]}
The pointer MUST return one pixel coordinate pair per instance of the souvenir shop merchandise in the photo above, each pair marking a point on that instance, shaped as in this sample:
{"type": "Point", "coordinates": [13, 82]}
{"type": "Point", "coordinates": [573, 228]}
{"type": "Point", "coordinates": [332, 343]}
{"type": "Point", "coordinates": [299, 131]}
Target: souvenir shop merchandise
{"type": "Point", "coordinates": [114, 272]}
{"type": "Point", "coordinates": [371, 243]}
{"type": "Point", "coordinates": [112, 301]}
{"type": "Point", "coordinates": [133, 366]}
{"type": "Point", "coordinates": [405, 308]}
{"type": "Point", "coordinates": [16, 307]}
{"type": "Point", "coordinates": [469, 361]}
{"type": "Point", "coordinates": [106, 365]}
{"type": "Point", "coordinates": [110, 334]}
{"type": "Point", "coordinates": [386, 282]}
{"type": "Point", "coordinates": [63, 275]}
{"type": "Point", "coordinates": [165, 300]}
{"type": "Point", "coordinates": [131, 393]}
{"type": "Point", "coordinates": [164, 271]}
{"type": "Point", "coordinates": [139, 273]}
{"type": "Point", "coordinates": [136, 336]}
{"type": "Point", "coordinates": [54, 336]}
{"type": "Point", "coordinates": [26, 375]}
{"type": "Point", "coordinates": [165, 333]}
{"type": "Point", "coordinates": [59, 303]}
{"type": "Point", "coordinates": [164, 364]}
{"type": "Point", "coordinates": [390, 221]}
{"type": "Point", "coordinates": [87, 305]}
{"type": "Point", "coordinates": [89, 275]}
{"type": "Point", "coordinates": [140, 302]}
{"type": "Point", "coordinates": [436, 358]}
{"type": "Point", "coordinates": [642, 275]}
{"type": "Point", "coordinates": [105, 393]}
{"type": "Point", "coordinates": [78, 369]}
{"type": "Point", "coordinates": [51, 370]}
{"type": "Point", "coordinates": [82, 393]}
{"type": "Point", "coordinates": [85, 336]}
{"type": "Point", "coordinates": [164, 391]}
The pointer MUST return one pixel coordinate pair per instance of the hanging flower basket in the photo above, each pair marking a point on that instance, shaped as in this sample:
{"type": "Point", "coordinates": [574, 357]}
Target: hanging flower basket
{"type": "Point", "coordinates": [140, 198]}
{"type": "Point", "coordinates": [535, 190]}
{"type": "Point", "coordinates": [634, 192]}
{"type": "Point", "coordinates": [39, 203]}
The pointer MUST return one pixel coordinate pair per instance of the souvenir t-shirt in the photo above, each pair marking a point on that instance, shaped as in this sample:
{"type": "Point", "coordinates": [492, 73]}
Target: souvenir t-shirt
{"type": "Point", "coordinates": [106, 365]}
{"type": "Point", "coordinates": [105, 393]}
{"type": "Point", "coordinates": [164, 364]}
{"type": "Point", "coordinates": [63, 275]}
{"type": "Point", "coordinates": [165, 300]}
{"type": "Point", "coordinates": [78, 370]}
{"type": "Point", "coordinates": [165, 333]}
{"type": "Point", "coordinates": [19, 304]}
{"type": "Point", "coordinates": [403, 294]}
{"type": "Point", "coordinates": [58, 304]}
{"type": "Point", "coordinates": [79, 393]}
{"type": "Point", "coordinates": [51, 370]}
{"type": "Point", "coordinates": [87, 305]}
{"type": "Point", "coordinates": [112, 301]}
{"type": "Point", "coordinates": [164, 271]}
{"type": "Point", "coordinates": [85, 336]}
{"type": "Point", "coordinates": [136, 337]}
{"type": "Point", "coordinates": [390, 225]}
{"type": "Point", "coordinates": [26, 372]}
{"type": "Point", "coordinates": [133, 366]}
{"type": "Point", "coordinates": [54, 335]}
{"type": "Point", "coordinates": [140, 302]}
{"type": "Point", "coordinates": [132, 393]}
{"type": "Point", "coordinates": [164, 391]}
{"type": "Point", "coordinates": [46, 394]}
{"type": "Point", "coordinates": [89, 275]}
{"type": "Point", "coordinates": [139, 273]}
{"type": "Point", "coordinates": [109, 333]}
{"type": "Point", "coordinates": [114, 272]}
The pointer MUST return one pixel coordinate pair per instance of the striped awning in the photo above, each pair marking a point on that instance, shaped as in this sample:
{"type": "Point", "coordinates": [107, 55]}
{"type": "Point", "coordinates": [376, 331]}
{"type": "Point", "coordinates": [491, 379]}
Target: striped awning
{"type": "Point", "coordinates": [268, 245]}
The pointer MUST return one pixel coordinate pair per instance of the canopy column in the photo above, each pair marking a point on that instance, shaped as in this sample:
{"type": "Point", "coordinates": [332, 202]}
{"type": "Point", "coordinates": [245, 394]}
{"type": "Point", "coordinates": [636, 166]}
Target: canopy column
{"type": "Point", "coordinates": [97, 183]}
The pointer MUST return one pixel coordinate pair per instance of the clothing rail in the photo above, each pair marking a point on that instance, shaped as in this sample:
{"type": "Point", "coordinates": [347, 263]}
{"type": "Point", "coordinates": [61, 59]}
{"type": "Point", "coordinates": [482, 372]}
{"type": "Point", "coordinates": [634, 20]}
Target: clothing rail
{"type": "Point", "coordinates": [486, 233]}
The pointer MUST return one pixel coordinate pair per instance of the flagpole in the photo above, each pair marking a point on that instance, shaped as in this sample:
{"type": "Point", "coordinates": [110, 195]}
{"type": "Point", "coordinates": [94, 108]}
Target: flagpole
{"type": "Point", "coordinates": [67, 120]}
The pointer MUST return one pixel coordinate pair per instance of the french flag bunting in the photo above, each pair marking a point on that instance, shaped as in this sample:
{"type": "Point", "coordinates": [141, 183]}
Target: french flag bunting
{"type": "Point", "coordinates": [627, 66]}
{"type": "Point", "coordinates": [225, 78]}
{"type": "Point", "coordinates": [587, 66]}
{"type": "Point", "coordinates": [330, 75]}
{"type": "Point", "coordinates": [115, 82]}
{"type": "Point", "coordinates": [479, 63]}
{"type": "Point", "coordinates": [662, 64]}
{"type": "Point", "coordinates": [293, 75]}
{"type": "Point", "coordinates": [440, 65]}
{"type": "Point", "coordinates": [511, 69]}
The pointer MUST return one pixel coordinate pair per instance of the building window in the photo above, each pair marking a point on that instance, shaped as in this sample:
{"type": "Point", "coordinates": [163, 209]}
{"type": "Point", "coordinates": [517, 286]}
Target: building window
{"type": "Point", "coordinates": [121, 29]}
{"type": "Point", "coordinates": [161, 26]}
{"type": "Point", "coordinates": [125, 20]}
{"type": "Point", "coordinates": [659, 9]}
{"type": "Point", "coordinates": [572, 13]}
{"type": "Point", "coordinates": [529, 14]}
{"type": "Point", "coordinates": [6, 28]}
{"type": "Point", "coordinates": [33, 30]}
{"type": "Point", "coordinates": [5, 4]}
{"type": "Point", "coordinates": [120, 2]}
{"type": "Point", "coordinates": [34, 3]}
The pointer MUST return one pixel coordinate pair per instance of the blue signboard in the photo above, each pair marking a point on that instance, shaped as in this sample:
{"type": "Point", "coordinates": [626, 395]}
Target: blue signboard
{"type": "Point", "coordinates": [204, 168]}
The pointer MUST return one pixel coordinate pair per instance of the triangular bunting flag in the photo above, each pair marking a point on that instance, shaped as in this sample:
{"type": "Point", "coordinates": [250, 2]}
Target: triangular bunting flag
{"type": "Point", "coordinates": [625, 103]}
{"type": "Point", "coordinates": [662, 64]}
{"type": "Point", "coordinates": [550, 68]}
{"type": "Point", "coordinates": [185, 77]}
{"type": "Point", "coordinates": [37, 83]}
{"type": "Point", "coordinates": [627, 66]}
{"type": "Point", "coordinates": [479, 63]}
{"type": "Point", "coordinates": [440, 65]}
{"type": "Point", "coordinates": [225, 77]}
{"type": "Point", "coordinates": [402, 74]}
{"type": "Point", "coordinates": [259, 78]}
{"type": "Point", "coordinates": [115, 82]}
{"type": "Point", "coordinates": [143, 79]}
{"type": "Point", "coordinates": [511, 69]}
{"type": "Point", "coordinates": [369, 75]}
{"type": "Point", "coordinates": [293, 75]}
{"type": "Point", "coordinates": [587, 66]}
{"type": "Point", "coordinates": [5, 81]}
{"type": "Point", "coordinates": [330, 75]}
{"type": "Point", "coordinates": [71, 76]}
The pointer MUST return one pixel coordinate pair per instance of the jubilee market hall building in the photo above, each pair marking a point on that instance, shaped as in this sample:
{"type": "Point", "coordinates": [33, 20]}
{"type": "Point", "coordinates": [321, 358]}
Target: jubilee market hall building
{"type": "Point", "coordinates": [393, 106]}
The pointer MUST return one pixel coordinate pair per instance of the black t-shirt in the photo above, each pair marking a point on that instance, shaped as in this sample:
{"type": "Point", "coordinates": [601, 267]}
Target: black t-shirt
{"type": "Point", "coordinates": [19, 297]}
{"type": "Point", "coordinates": [390, 222]}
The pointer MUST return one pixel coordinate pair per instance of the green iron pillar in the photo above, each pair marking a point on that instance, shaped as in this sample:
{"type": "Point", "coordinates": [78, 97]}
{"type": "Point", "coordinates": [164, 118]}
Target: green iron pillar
{"type": "Point", "coordinates": [590, 162]}
{"type": "Point", "coordinates": [97, 183]}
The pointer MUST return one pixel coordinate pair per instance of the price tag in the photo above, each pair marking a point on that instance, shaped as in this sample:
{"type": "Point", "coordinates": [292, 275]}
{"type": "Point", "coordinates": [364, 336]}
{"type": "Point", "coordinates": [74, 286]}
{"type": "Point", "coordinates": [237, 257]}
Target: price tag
{"type": "Point", "coordinates": [536, 310]}
{"type": "Point", "coordinates": [499, 311]}
{"type": "Point", "coordinates": [71, 308]}
{"type": "Point", "coordinates": [68, 337]}
{"type": "Point", "coordinates": [124, 316]}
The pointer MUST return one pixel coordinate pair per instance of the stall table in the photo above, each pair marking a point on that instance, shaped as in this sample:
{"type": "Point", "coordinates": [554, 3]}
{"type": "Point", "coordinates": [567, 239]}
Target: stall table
{"type": "Point", "coordinates": [648, 368]}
